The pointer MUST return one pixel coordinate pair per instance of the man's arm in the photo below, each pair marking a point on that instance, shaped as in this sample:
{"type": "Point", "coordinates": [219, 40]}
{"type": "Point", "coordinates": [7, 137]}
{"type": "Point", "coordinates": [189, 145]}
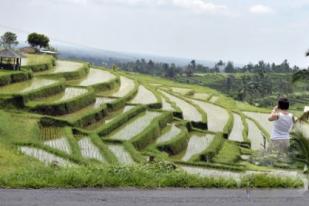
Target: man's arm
{"type": "Point", "coordinates": [274, 114]}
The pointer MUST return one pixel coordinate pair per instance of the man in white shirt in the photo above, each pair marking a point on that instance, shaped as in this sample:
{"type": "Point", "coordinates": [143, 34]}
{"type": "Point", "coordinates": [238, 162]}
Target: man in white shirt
{"type": "Point", "coordinates": [282, 124]}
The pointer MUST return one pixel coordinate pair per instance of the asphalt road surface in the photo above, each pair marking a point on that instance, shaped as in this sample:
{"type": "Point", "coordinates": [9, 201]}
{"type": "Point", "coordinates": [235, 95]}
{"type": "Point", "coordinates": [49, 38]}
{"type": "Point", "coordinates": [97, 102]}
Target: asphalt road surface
{"type": "Point", "coordinates": [161, 197]}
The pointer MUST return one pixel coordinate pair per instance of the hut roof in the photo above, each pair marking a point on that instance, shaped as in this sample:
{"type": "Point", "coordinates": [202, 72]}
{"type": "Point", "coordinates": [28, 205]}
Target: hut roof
{"type": "Point", "coordinates": [9, 53]}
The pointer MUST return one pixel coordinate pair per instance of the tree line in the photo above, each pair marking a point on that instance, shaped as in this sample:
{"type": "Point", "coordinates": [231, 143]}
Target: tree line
{"type": "Point", "coordinates": [38, 41]}
{"type": "Point", "coordinates": [171, 70]}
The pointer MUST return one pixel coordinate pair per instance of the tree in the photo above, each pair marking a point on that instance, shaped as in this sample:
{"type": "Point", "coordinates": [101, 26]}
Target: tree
{"type": "Point", "coordinates": [170, 71]}
{"type": "Point", "coordinates": [229, 67]}
{"type": "Point", "coordinates": [8, 39]}
{"type": "Point", "coordinates": [38, 40]}
{"type": "Point", "coordinates": [302, 74]}
{"type": "Point", "coordinates": [190, 68]}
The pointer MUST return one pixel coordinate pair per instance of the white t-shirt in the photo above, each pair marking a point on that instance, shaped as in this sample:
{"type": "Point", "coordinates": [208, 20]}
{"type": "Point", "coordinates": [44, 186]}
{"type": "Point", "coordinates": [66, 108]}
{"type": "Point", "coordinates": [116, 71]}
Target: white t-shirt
{"type": "Point", "coordinates": [282, 126]}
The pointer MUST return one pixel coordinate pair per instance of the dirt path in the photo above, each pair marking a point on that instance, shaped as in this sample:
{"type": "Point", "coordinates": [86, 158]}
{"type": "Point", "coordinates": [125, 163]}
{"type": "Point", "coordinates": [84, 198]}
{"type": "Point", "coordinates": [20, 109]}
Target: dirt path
{"type": "Point", "coordinates": [162, 197]}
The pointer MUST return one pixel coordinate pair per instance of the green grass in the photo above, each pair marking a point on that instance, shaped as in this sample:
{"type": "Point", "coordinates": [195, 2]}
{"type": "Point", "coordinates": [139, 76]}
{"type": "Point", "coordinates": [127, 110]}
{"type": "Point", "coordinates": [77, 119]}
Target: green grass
{"type": "Point", "coordinates": [141, 176]}
{"type": "Point", "coordinates": [33, 59]}
{"type": "Point", "coordinates": [16, 127]}
{"type": "Point", "coordinates": [229, 153]}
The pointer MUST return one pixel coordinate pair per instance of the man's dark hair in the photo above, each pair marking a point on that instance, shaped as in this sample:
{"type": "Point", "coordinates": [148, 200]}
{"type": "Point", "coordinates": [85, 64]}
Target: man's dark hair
{"type": "Point", "coordinates": [283, 103]}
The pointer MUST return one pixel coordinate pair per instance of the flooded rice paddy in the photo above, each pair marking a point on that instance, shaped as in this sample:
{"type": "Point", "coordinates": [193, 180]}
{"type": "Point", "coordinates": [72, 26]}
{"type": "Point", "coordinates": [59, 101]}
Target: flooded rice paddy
{"type": "Point", "coordinates": [197, 144]}
{"type": "Point", "coordinates": [135, 126]}
{"type": "Point", "coordinates": [217, 117]}
{"type": "Point", "coordinates": [189, 111]}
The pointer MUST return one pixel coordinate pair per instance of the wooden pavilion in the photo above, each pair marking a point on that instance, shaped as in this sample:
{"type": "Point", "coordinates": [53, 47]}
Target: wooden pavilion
{"type": "Point", "coordinates": [10, 59]}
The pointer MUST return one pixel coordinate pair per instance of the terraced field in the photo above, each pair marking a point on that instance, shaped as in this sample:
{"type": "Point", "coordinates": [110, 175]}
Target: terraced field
{"type": "Point", "coordinates": [96, 76]}
{"type": "Point", "coordinates": [168, 133]}
{"type": "Point", "coordinates": [44, 156]}
{"type": "Point", "coordinates": [166, 105]}
{"type": "Point", "coordinates": [96, 107]}
{"type": "Point", "coordinates": [68, 94]}
{"type": "Point", "coordinates": [213, 99]}
{"type": "Point", "coordinates": [126, 86]}
{"type": "Point", "coordinates": [134, 127]}
{"type": "Point", "coordinates": [182, 91]}
{"type": "Point", "coordinates": [190, 113]}
{"type": "Point", "coordinates": [144, 96]}
{"type": "Point", "coordinates": [121, 154]}
{"type": "Point", "coordinates": [217, 116]}
{"type": "Point", "coordinates": [27, 86]}
{"type": "Point", "coordinates": [89, 150]}
{"type": "Point", "coordinates": [197, 144]}
{"type": "Point", "coordinates": [122, 121]}
{"type": "Point", "coordinates": [255, 136]}
{"type": "Point", "coordinates": [65, 66]}
{"type": "Point", "coordinates": [201, 96]}
{"type": "Point", "coordinates": [237, 131]}
{"type": "Point", "coordinates": [61, 144]}
{"type": "Point", "coordinates": [262, 119]}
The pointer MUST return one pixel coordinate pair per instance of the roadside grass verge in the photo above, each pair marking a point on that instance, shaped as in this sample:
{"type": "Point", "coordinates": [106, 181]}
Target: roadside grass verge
{"type": "Point", "coordinates": [157, 175]}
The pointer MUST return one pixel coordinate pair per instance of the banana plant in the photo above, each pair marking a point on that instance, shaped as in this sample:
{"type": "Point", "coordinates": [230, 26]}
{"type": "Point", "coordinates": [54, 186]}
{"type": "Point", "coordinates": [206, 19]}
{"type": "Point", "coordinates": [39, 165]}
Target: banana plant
{"type": "Point", "coordinates": [299, 147]}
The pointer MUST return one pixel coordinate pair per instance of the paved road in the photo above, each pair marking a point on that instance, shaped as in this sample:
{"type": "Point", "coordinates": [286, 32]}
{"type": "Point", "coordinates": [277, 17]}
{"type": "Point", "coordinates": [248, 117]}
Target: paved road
{"type": "Point", "coordinates": [162, 197]}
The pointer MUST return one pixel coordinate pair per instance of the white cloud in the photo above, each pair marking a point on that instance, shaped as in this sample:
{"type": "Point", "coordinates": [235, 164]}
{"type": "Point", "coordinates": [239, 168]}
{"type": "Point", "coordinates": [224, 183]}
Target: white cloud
{"type": "Point", "coordinates": [260, 9]}
{"type": "Point", "coordinates": [199, 5]}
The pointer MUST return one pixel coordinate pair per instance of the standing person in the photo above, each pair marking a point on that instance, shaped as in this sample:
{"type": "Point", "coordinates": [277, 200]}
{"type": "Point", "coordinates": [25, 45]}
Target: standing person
{"type": "Point", "coordinates": [282, 124]}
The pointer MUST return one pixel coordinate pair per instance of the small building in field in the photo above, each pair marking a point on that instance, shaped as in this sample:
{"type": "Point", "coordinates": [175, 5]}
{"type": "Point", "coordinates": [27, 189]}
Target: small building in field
{"type": "Point", "coordinates": [10, 59]}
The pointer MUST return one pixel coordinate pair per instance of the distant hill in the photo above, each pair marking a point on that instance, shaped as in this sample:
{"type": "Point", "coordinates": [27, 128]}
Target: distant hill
{"type": "Point", "coordinates": [105, 57]}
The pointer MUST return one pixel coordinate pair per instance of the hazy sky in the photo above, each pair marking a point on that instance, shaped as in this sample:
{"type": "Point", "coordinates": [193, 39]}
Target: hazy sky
{"type": "Point", "coordinates": [239, 30]}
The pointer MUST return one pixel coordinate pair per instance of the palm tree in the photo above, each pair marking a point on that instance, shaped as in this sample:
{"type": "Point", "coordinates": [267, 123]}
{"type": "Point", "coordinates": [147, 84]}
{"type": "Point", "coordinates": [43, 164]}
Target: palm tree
{"type": "Point", "coordinates": [303, 74]}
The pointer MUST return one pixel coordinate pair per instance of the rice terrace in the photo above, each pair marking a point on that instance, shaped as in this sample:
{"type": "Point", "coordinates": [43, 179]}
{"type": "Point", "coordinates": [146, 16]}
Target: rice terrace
{"type": "Point", "coordinates": [65, 118]}
{"type": "Point", "coordinates": [77, 118]}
